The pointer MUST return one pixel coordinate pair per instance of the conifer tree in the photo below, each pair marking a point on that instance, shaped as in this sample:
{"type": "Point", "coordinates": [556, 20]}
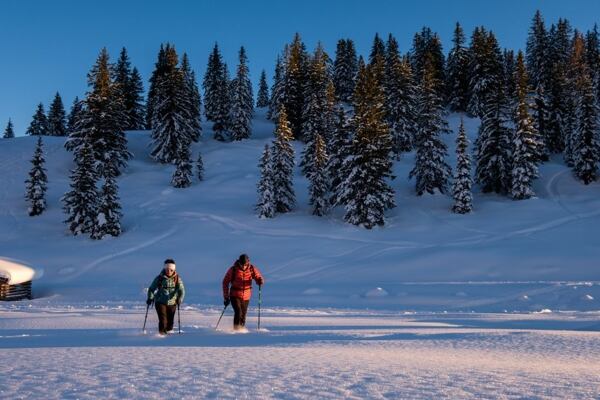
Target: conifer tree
{"type": "Point", "coordinates": [108, 217]}
{"type": "Point", "coordinates": [295, 78]}
{"type": "Point", "coordinates": [318, 187]}
{"type": "Point", "coordinates": [486, 70]}
{"type": "Point", "coordinates": [578, 74]}
{"type": "Point", "coordinates": [585, 141]}
{"type": "Point", "coordinates": [400, 102]}
{"type": "Point", "coordinates": [74, 116]}
{"type": "Point", "coordinates": [493, 145]}
{"type": "Point", "coordinates": [56, 117]}
{"type": "Point", "coordinates": [525, 147]}
{"type": "Point", "coordinates": [39, 122]}
{"type": "Point", "coordinates": [457, 74]}
{"type": "Point", "coordinates": [159, 69]}
{"type": "Point", "coordinates": [37, 182]}
{"type": "Point", "coordinates": [242, 105]}
{"type": "Point", "coordinates": [262, 99]}
{"type": "Point", "coordinates": [9, 132]}
{"type": "Point", "coordinates": [427, 49]}
{"type": "Point", "coordinates": [365, 191]}
{"type": "Point", "coordinates": [462, 185]}
{"type": "Point", "coordinates": [80, 203]}
{"type": "Point", "coordinates": [131, 89]}
{"type": "Point", "coordinates": [317, 110]}
{"type": "Point", "coordinates": [182, 177]}
{"type": "Point", "coordinates": [340, 150]}
{"type": "Point", "coordinates": [102, 120]}
{"type": "Point", "coordinates": [431, 170]}
{"type": "Point", "coordinates": [266, 191]}
{"type": "Point", "coordinates": [345, 68]}
{"type": "Point", "coordinates": [283, 165]}
{"type": "Point", "coordinates": [277, 91]}
{"type": "Point", "coordinates": [217, 97]}
{"type": "Point", "coordinates": [200, 168]}
{"type": "Point", "coordinates": [192, 100]}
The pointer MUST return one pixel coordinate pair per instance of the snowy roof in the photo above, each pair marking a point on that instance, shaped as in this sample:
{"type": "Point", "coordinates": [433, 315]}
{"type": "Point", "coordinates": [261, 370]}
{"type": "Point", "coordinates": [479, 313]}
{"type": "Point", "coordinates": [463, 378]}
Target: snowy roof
{"type": "Point", "coordinates": [15, 272]}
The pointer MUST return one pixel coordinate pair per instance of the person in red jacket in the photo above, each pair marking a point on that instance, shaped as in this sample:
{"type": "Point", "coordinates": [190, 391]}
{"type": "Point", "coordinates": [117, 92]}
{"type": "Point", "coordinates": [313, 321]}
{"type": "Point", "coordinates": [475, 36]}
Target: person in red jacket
{"type": "Point", "coordinates": [237, 288]}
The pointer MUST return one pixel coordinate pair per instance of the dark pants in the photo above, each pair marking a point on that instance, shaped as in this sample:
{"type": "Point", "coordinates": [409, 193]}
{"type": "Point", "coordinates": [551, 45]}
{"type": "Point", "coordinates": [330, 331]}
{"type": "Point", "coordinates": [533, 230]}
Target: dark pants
{"type": "Point", "coordinates": [166, 315]}
{"type": "Point", "coordinates": [240, 307]}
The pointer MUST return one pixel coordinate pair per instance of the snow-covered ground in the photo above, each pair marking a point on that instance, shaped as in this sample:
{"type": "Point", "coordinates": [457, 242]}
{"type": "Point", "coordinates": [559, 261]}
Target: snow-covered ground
{"type": "Point", "coordinates": [502, 303]}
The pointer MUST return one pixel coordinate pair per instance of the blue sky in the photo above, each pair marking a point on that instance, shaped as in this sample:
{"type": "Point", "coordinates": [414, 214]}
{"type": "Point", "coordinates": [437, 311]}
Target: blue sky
{"type": "Point", "coordinates": [49, 46]}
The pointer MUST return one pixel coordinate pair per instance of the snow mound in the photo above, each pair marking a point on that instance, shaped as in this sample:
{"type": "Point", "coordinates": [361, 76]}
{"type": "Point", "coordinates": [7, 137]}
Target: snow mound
{"type": "Point", "coordinates": [543, 311]}
{"type": "Point", "coordinates": [377, 292]}
{"type": "Point", "coordinates": [15, 273]}
{"type": "Point", "coordinates": [588, 297]}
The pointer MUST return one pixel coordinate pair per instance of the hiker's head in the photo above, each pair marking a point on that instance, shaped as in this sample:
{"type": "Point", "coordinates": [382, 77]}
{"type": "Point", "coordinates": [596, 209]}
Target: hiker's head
{"type": "Point", "coordinates": [169, 266]}
{"type": "Point", "coordinates": [244, 260]}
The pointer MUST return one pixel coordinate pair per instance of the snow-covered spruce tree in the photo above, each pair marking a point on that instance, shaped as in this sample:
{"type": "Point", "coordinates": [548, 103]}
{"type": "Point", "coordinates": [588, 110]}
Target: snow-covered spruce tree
{"type": "Point", "coordinates": [159, 69]}
{"type": "Point", "coordinates": [525, 147]}
{"type": "Point", "coordinates": [200, 168]}
{"type": "Point", "coordinates": [340, 148]}
{"type": "Point", "coordinates": [182, 177]}
{"type": "Point", "coordinates": [317, 110]}
{"type": "Point", "coordinates": [295, 78]}
{"type": "Point", "coordinates": [262, 99]}
{"type": "Point", "coordinates": [377, 61]}
{"type": "Point", "coordinates": [56, 117]}
{"type": "Point", "coordinates": [9, 132]}
{"type": "Point", "coordinates": [242, 102]}
{"type": "Point", "coordinates": [559, 103]}
{"type": "Point", "coordinates": [365, 192]}
{"type": "Point", "coordinates": [283, 165]}
{"type": "Point", "coordinates": [39, 122]}
{"type": "Point", "coordinates": [266, 191]}
{"type": "Point", "coordinates": [73, 118]}
{"type": "Point", "coordinates": [174, 128]}
{"type": "Point", "coordinates": [108, 217]}
{"type": "Point", "coordinates": [277, 91]}
{"type": "Point", "coordinates": [457, 72]}
{"type": "Point", "coordinates": [102, 121]}
{"type": "Point", "coordinates": [427, 49]}
{"type": "Point", "coordinates": [345, 68]}
{"type": "Point", "coordinates": [462, 184]}
{"type": "Point", "coordinates": [400, 102]}
{"type": "Point", "coordinates": [80, 203]}
{"type": "Point", "coordinates": [586, 143]}
{"type": "Point", "coordinates": [37, 182]}
{"type": "Point", "coordinates": [431, 170]}
{"type": "Point", "coordinates": [508, 76]}
{"type": "Point", "coordinates": [318, 188]}
{"type": "Point", "coordinates": [486, 70]}
{"type": "Point", "coordinates": [131, 89]}
{"type": "Point", "coordinates": [192, 99]}
{"type": "Point", "coordinates": [578, 73]}
{"type": "Point", "coordinates": [493, 145]}
{"type": "Point", "coordinates": [217, 98]}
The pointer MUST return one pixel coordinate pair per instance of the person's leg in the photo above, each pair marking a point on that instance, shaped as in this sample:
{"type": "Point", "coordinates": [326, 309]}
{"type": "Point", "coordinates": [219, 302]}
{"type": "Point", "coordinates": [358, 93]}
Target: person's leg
{"type": "Point", "coordinates": [170, 317]}
{"type": "Point", "coordinates": [236, 305]}
{"type": "Point", "coordinates": [243, 311]}
{"type": "Point", "coordinates": [161, 312]}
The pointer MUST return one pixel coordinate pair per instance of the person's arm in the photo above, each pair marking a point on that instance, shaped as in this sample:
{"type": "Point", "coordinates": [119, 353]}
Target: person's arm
{"type": "Point", "coordinates": [152, 289]}
{"type": "Point", "coordinates": [226, 282]}
{"type": "Point", "coordinates": [258, 278]}
{"type": "Point", "coordinates": [180, 291]}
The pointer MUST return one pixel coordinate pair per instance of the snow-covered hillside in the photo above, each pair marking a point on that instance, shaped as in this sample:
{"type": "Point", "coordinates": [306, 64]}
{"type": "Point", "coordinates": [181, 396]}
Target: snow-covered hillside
{"type": "Point", "coordinates": [507, 255]}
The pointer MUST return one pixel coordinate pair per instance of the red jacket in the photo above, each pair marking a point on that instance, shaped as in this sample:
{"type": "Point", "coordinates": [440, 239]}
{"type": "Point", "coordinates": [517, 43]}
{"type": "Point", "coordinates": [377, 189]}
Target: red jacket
{"type": "Point", "coordinates": [240, 281]}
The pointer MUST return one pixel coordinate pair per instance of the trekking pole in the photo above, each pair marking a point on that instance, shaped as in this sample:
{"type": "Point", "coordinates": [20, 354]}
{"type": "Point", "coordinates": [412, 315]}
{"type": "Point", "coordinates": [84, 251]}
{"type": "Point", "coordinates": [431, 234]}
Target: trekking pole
{"type": "Point", "coordinates": [145, 318]}
{"type": "Point", "coordinates": [223, 312]}
{"type": "Point", "coordinates": [259, 301]}
{"type": "Point", "coordinates": [178, 318]}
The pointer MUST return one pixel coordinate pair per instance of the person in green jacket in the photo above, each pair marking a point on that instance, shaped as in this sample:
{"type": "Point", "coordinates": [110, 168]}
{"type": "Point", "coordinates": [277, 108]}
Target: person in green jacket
{"type": "Point", "coordinates": [167, 292]}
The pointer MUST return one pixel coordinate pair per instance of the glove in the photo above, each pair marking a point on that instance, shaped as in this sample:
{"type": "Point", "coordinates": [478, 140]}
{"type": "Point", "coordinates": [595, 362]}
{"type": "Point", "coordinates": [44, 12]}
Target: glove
{"type": "Point", "coordinates": [260, 281]}
{"type": "Point", "coordinates": [178, 301]}
{"type": "Point", "coordinates": [226, 302]}
{"type": "Point", "coordinates": [149, 301]}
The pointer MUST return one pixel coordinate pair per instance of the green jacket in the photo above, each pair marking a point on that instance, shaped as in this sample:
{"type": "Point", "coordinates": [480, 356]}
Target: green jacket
{"type": "Point", "coordinates": [166, 290]}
